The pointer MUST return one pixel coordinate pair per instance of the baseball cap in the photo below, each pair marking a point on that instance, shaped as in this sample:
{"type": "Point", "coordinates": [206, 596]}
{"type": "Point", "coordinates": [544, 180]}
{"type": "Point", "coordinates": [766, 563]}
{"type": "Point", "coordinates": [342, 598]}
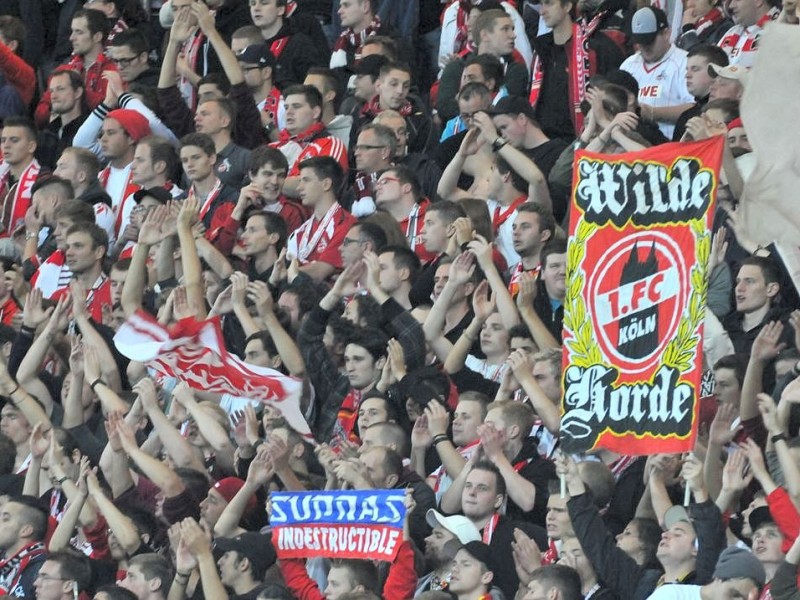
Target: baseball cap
{"type": "Point", "coordinates": [482, 552]}
{"type": "Point", "coordinates": [739, 563]}
{"type": "Point", "coordinates": [256, 547]}
{"type": "Point", "coordinates": [370, 65]}
{"type": "Point", "coordinates": [159, 193]}
{"type": "Point", "coordinates": [675, 515]}
{"type": "Point", "coordinates": [646, 24]}
{"type": "Point", "coordinates": [459, 525]}
{"type": "Point", "coordinates": [759, 517]}
{"type": "Point", "coordinates": [513, 105]}
{"type": "Point", "coordinates": [257, 54]}
{"type": "Point", "coordinates": [734, 72]}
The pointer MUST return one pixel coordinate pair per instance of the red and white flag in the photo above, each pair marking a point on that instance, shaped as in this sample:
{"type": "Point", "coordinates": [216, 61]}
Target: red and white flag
{"type": "Point", "coordinates": [194, 352]}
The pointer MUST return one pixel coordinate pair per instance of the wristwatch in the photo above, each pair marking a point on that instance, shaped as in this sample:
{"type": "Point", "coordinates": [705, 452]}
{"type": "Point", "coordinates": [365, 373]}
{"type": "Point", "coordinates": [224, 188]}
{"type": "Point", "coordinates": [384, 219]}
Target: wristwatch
{"type": "Point", "coordinates": [498, 143]}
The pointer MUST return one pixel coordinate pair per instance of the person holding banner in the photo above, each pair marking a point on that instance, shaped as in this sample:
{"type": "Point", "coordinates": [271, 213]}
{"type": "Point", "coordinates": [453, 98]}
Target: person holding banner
{"type": "Point", "coordinates": [352, 575]}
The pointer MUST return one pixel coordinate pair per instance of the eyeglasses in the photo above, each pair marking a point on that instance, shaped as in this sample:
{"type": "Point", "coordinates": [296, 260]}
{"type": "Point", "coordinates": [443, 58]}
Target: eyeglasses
{"type": "Point", "coordinates": [347, 241]}
{"type": "Point", "coordinates": [368, 147]}
{"type": "Point", "coordinates": [386, 180]}
{"type": "Point", "coordinates": [124, 62]}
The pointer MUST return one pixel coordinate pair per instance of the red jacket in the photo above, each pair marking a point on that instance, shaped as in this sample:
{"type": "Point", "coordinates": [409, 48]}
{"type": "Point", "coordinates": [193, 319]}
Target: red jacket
{"type": "Point", "coordinates": [401, 582]}
{"type": "Point", "coordinates": [93, 81]}
{"type": "Point", "coordinates": [786, 516]}
{"type": "Point", "coordinates": [18, 73]}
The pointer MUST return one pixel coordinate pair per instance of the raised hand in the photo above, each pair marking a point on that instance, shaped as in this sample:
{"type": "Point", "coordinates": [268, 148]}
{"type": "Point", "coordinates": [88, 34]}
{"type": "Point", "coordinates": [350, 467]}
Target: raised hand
{"type": "Point", "coordinates": [528, 289]}
{"type": "Point", "coordinates": [238, 289]}
{"type": "Point", "coordinates": [483, 301]}
{"type": "Point", "coordinates": [187, 216]}
{"type": "Point", "coordinates": [40, 442]}
{"type": "Point", "coordinates": [719, 247]}
{"type": "Point", "coordinates": [153, 230]}
{"type": "Point", "coordinates": [471, 143]}
{"type": "Point", "coordinates": [182, 27]}
{"type": "Point", "coordinates": [721, 432]}
{"type": "Point", "coordinates": [148, 394]}
{"type": "Point", "coordinates": [461, 269]}
{"type": "Point", "coordinates": [91, 364]}
{"type": "Point", "coordinates": [33, 314]}
{"type": "Point", "coordinates": [438, 418]}
{"type": "Point", "coordinates": [261, 470]}
{"type": "Point", "coordinates": [527, 556]}
{"type": "Point", "coordinates": [735, 476]}
{"type": "Point", "coordinates": [421, 436]}
{"type": "Point", "coordinates": [768, 343]}
{"type": "Point", "coordinates": [397, 359]}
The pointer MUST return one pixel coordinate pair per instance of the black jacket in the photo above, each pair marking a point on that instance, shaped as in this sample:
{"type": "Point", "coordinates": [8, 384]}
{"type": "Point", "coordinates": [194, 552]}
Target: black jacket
{"type": "Point", "coordinates": [298, 55]}
{"type": "Point", "coordinates": [619, 571]}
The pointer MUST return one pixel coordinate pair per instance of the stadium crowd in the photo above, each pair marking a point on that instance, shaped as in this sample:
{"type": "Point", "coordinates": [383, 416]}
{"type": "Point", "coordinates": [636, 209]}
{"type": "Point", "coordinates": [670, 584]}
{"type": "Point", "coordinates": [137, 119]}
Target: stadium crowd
{"type": "Point", "coordinates": [372, 197]}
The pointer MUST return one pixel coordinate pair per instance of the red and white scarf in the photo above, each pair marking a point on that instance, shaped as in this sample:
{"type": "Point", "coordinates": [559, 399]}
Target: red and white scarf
{"type": "Point", "coordinates": [309, 240]}
{"type": "Point", "coordinates": [501, 215]}
{"type": "Point", "coordinates": [304, 138]}
{"type": "Point", "coordinates": [348, 414]}
{"type": "Point", "coordinates": [373, 108]}
{"type": "Point", "coordinates": [16, 197]}
{"type": "Point", "coordinates": [489, 529]}
{"type": "Point", "coordinates": [209, 200]}
{"type": "Point", "coordinates": [711, 19]}
{"type": "Point", "coordinates": [127, 190]}
{"type": "Point", "coordinates": [191, 51]}
{"type": "Point", "coordinates": [580, 69]}
{"type": "Point", "coordinates": [516, 275]}
{"type": "Point", "coordinates": [11, 568]}
{"type": "Point", "coordinates": [350, 41]}
{"type": "Point", "coordinates": [462, 28]}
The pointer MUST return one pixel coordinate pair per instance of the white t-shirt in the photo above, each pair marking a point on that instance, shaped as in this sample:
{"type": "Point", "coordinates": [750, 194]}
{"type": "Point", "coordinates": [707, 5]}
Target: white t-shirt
{"type": "Point", "coordinates": [676, 591]}
{"type": "Point", "coordinates": [661, 84]}
{"type": "Point", "coordinates": [503, 236]}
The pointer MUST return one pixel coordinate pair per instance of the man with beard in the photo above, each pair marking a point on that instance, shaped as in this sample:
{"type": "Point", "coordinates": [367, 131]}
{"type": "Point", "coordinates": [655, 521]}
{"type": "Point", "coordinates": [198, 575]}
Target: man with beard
{"type": "Point", "coordinates": [437, 559]}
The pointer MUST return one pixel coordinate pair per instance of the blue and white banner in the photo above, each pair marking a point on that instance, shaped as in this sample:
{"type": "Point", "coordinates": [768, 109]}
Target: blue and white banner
{"type": "Point", "coordinates": [344, 524]}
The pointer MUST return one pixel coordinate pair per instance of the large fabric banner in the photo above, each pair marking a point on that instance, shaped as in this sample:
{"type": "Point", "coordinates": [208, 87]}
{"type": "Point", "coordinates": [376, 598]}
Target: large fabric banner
{"type": "Point", "coordinates": [636, 285]}
{"type": "Point", "coordinates": [344, 524]}
{"type": "Point", "coordinates": [194, 351]}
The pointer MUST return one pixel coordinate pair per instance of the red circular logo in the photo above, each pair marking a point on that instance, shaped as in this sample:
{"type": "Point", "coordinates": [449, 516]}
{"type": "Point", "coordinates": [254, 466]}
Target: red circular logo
{"type": "Point", "coordinates": [637, 291]}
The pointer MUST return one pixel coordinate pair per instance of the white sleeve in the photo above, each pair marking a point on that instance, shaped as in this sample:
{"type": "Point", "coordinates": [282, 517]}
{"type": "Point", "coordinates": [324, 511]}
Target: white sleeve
{"type": "Point", "coordinates": [448, 36]}
{"type": "Point", "coordinates": [88, 135]}
{"type": "Point", "coordinates": [158, 128]}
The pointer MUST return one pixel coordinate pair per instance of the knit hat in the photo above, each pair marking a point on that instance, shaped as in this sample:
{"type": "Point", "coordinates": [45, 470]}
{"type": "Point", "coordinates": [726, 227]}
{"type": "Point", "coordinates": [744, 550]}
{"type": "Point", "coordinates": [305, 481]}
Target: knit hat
{"type": "Point", "coordinates": [134, 123]}
{"type": "Point", "coordinates": [229, 487]}
{"type": "Point", "coordinates": [739, 563]}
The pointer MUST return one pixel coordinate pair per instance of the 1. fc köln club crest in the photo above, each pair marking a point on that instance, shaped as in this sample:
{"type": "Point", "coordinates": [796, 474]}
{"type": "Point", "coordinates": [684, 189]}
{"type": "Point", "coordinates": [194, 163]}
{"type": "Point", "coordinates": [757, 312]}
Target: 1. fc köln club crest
{"type": "Point", "coordinates": [637, 307]}
{"type": "Point", "coordinates": [636, 286]}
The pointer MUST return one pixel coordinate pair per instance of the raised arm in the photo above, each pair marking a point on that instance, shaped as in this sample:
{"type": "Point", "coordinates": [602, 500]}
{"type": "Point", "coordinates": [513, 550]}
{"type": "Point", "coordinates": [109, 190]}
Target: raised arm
{"type": "Point", "coordinates": [461, 271]}
{"type": "Point", "coordinates": [177, 446]}
{"type": "Point", "coordinates": [765, 348]}
{"type": "Point", "coordinates": [91, 337]}
{"type": "Point", "coordinates": [259, 293]}
{"type": "Point", "coordinates": [548, 412]}
{"type": "Point", "coordinates": [259, 474]}
{"type": "Point", "coordinates": [213, 432]}
{"type": "Point", "coordinates": [150, 233]}
{"type": "Point", "coordinates": [192, 269]}
{"type": "Point", "coordinates": [448, 183]}
{"type": "Point", "coordinates": [120, 525]}
{"type": "Point", "coordinates": [528, 289]}
{"type": "Point", "coordinates": [505, 303]}
{"type": "Point", "coordinates": [483, 305]}
{"type": "Point", "coordinates": [199, 544]}
{"type": "Point", "coordinates": [227, 59]}
{"type": "Point", "coordinates": [160, 474]}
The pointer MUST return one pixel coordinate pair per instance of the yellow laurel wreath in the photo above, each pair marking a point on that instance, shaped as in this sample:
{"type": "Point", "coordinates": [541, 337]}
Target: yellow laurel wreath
{"type": "Point", "coordinates": [583, 348]}
{"type": "Point", "coordinates": [681, 350]}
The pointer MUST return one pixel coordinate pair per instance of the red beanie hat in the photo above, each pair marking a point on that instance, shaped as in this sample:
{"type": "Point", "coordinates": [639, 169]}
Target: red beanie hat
{"type": "Point", "coordinates": [134, 123]}
{"type": "Point", "coordinates": [229, 487]}
{"type": "Point", "coordinates": [737, 122]}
